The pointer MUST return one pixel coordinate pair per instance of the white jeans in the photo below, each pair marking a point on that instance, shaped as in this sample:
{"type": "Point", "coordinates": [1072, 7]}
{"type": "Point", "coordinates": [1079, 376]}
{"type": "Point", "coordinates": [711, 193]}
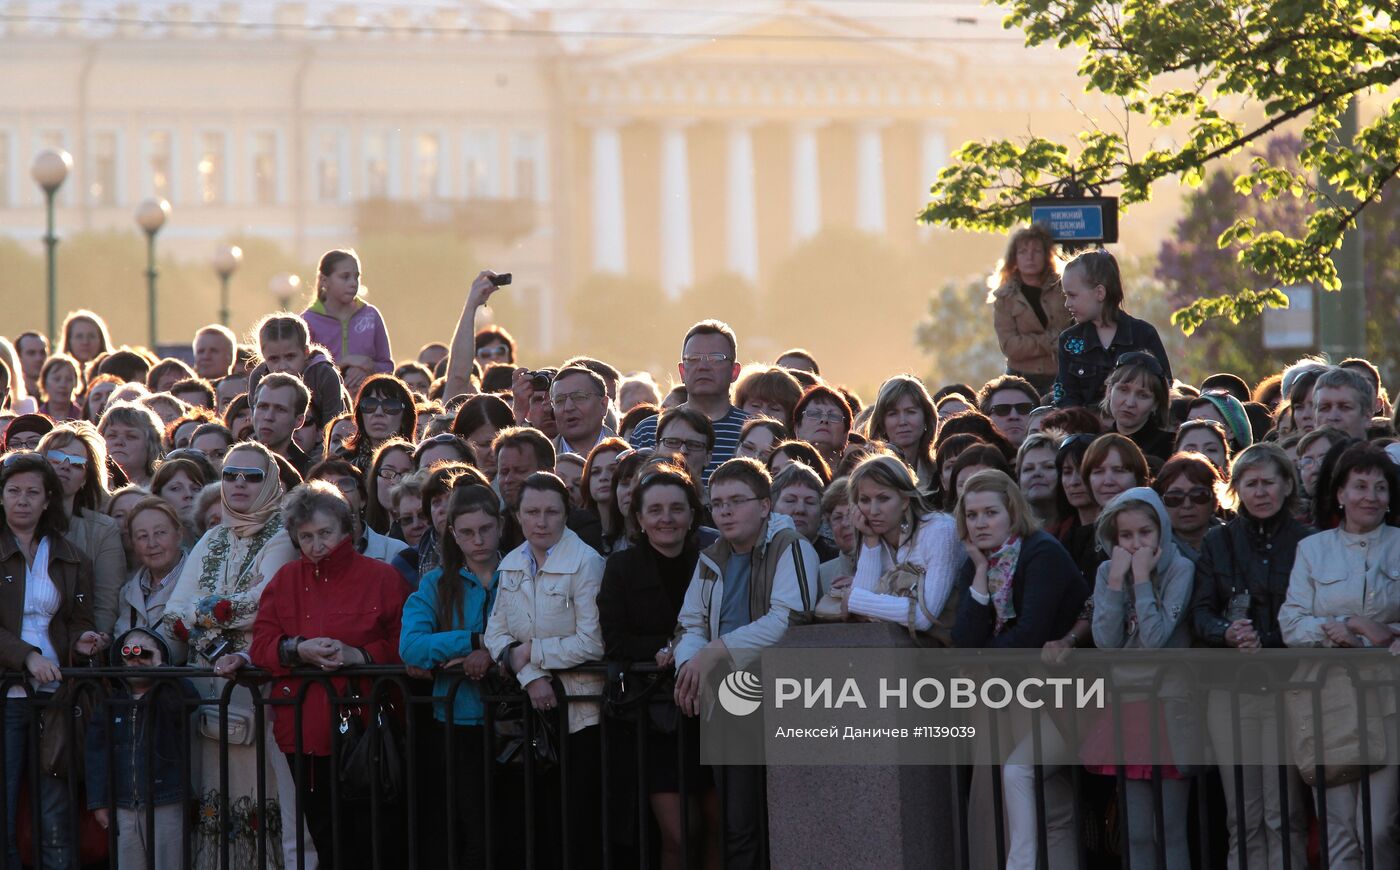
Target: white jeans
{"type": "Point", "coordinates": [1259, 820]}
{"type": "Point", "coordinates": [1019, 803]}
{"type": "Point", "coordinates": [1345, 834]}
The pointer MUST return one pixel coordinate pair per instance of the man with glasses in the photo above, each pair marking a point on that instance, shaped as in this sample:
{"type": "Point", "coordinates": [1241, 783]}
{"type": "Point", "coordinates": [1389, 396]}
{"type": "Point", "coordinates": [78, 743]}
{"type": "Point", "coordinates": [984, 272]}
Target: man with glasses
{"type": "Point", "coordinates": [351, 484]}
{"type": "Point", "coordinates": [580, 401]}
{"type": "Point", "coordinates": [1009, 401]}
{"type": "Point", "coordinates": [709, 366]}
{"type": "Point", "coordinates": [738, 602]}
{"type": "Point", "coordinates": [278, 411]}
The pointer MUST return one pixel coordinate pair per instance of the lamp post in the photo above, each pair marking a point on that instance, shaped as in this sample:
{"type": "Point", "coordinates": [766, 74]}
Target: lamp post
{"type": "Point", "coordinates": [225, 263]}
{"type": "Point", "coordinates": [50, 169]}
{"type": "Point", "coordinates": [151, 215]}
{"type": "Point", "coordinates": [283, 286]}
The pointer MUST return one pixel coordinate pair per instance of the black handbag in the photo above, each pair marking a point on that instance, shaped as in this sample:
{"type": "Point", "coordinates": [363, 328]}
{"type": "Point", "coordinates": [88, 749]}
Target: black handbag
{"type": "Point", "coordinates": [370, 760]}
{"type": "Point", "coordinates": [625, 700]}
{"type": "Point", "coordinates": [512, 720]}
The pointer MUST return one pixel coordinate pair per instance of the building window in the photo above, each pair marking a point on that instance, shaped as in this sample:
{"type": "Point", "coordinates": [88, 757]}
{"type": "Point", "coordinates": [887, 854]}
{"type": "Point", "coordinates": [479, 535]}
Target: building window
{"type": "Point", "coordinates": [265, 181]}
{"type": "Point", "coordinates": [427, 160]}
{"type": "Point", "coordinates": [160, 162]}
{"type": "Point", "coordinates": [213, 168]}
{"type": "Point", "coordinates": [527, 167]}
{"type": "Point", "coordinates": [329, 166]}
{"type": "Point", "coordinates": [102, 187]}
{"type": "Point", "coordinates": [479, 160]}
{"type": "Point", "coordinates": [379, 165]}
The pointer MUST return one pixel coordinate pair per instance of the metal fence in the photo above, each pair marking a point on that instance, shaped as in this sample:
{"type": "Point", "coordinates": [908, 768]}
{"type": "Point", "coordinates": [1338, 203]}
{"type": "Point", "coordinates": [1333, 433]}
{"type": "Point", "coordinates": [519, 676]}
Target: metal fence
{"type": "Point", "coordinates": [525, 802]}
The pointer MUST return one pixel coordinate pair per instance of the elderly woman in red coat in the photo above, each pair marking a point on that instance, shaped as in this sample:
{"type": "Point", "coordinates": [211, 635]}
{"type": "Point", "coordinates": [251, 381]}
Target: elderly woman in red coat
{"type": "Point", "coordinates": [330, 608]}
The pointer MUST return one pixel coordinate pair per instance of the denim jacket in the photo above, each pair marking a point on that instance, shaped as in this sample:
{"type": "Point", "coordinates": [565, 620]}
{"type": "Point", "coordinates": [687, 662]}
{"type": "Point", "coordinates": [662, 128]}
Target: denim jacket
{"type": "Point", "coordinates": [1085, 363]}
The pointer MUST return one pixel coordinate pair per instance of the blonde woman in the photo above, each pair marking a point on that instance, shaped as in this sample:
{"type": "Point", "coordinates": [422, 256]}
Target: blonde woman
{"type": "Point", "coordinates": [1020, 589]}
{"type": "Point", "coordinates": [898, 526]}
{"type": "Point", "coordinates": [1028, 306]}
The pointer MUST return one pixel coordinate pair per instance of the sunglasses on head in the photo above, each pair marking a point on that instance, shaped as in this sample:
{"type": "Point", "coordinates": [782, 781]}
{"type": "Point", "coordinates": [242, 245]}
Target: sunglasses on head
{"type": "Point", "coordinates": [234, 473]}
{"type": "Point", "coordinates": [136, 651]}
{"type": "Point", "coordinates": [1140, 358]}
{"type": "Point", "coordinates": [388, 406]}
{"type": "Point", "coordinates": [1197, 495]}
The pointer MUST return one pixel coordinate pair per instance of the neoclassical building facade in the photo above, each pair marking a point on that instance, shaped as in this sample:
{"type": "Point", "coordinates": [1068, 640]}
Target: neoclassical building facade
{"type": "Point", "coordinates": [667, 143]}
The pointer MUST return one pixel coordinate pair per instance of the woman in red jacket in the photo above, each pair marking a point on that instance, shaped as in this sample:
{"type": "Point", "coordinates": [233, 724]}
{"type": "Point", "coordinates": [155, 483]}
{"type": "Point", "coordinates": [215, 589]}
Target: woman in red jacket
{"type": "Point", "coordinates": [330, 608]}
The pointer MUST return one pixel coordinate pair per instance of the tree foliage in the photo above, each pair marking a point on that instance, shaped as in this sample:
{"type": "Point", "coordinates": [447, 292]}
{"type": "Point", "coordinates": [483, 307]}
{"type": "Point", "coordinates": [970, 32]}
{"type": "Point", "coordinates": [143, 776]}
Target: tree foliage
{"type": "Point", "coordinates": [1176, 64]}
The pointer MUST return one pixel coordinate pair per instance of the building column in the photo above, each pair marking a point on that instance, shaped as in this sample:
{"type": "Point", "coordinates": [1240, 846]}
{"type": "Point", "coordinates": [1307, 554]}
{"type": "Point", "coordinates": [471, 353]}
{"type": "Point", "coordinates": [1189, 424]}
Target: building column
{"type": "Point", "coordinates": [870, 177]}
{"type": "Point", "coordinates": [609, 220]}
{"type": "Point", "coordinates": [933, 156]}
{"type": "Point", "coordinates": [742, 203]}
{"type": "Point", "coordinates": [806, 181]}
{"type": "Point", "coordinates": [677, 254]}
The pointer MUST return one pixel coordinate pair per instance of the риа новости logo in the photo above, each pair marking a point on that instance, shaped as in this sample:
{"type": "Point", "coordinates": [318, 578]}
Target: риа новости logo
{"type": "Point", "coordinates": [741, 693]}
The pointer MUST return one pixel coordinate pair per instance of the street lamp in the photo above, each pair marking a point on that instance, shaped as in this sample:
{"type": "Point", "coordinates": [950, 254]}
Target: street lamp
{"type": "Point", "coordinates": [225, 263]}
{"type": "Point", "coordinates": [283, 286]}
{"type": "Point", "coordinates": [50, 169]}
{"type": "Point", "coordinates": [151, 215]}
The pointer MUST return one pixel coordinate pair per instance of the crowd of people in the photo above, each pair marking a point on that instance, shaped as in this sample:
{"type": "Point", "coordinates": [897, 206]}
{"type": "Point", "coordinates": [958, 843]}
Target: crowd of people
{"type": "Point", "coordinates": [306, 500]}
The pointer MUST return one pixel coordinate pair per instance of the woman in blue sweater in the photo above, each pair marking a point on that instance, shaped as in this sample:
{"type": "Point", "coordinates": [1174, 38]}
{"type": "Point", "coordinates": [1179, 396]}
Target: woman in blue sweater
{"type": "Point", "coordinates": [442, 626]}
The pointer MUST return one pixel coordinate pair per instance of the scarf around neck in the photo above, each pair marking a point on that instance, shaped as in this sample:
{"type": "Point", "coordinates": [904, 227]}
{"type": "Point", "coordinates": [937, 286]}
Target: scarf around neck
{"type": "Point", "coordinates": [1001, 570]}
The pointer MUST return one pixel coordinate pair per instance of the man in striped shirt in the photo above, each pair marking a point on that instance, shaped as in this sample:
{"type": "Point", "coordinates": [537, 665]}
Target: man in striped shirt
{"type": "Point", "coordinates": [709, 366]}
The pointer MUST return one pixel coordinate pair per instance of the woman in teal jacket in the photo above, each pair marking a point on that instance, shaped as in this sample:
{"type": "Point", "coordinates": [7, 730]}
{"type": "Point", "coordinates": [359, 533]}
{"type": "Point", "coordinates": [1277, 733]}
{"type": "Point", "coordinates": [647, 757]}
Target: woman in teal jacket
{"type": "Point", "coordinates": [442, 626]}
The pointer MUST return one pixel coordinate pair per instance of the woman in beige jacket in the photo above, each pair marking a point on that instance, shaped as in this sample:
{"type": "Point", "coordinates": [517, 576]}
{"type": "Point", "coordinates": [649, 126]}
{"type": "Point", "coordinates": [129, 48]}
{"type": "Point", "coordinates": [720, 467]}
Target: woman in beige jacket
{"type": "Point", "coordinates": [545, 622]}
{"type": "Point", "coordinates": [1028, 307]}
{"type": "Point", "coordinates": [1345, 592]}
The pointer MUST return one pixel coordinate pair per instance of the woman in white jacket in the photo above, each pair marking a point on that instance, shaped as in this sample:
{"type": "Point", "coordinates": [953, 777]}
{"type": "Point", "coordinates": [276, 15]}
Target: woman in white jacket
{"type": "Point", "coordinates": [544, 622]}
{"type": "Point", "coordinates": [899, 527]}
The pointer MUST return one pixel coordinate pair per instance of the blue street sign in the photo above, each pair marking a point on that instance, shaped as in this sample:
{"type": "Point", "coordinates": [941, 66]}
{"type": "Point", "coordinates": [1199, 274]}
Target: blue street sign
{"type": "Point", "coordinates": [1078, 220]}
{"type": "Point", "coordinates": [1078, 223]}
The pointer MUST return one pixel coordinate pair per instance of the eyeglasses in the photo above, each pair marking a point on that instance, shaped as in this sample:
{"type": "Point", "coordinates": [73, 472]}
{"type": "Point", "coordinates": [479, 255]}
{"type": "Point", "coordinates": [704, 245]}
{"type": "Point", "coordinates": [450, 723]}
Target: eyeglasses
{"type": "Point", "coordinates": [346, 485]}
{"type": "Point", "coordinates": [57, 458]}
{"type": "Point", "coordinates": [577, 398]}
{"type": "Point", "coordinates": [684, 444]}
{"type": "Point", "coordinates": [493, 351]}
{"type": "Point", "coordinates": [1177, 498]}
{"type": "Point", "coordinates": [234, 473]}
{"type": "Point", "coordinates": [719, 506]}
{"type": "Point", "coordinates": [696, 359]}
{"type": "Point", "coordinates": [814, 415]}
{"type": "Point", "coordinates": [24, 441]}
{"type": "Point", "coordinates": [390, 474]}
{"type": "Point", "coordinates": [1019, 408]}
{"type": "Point", "coordinates": [135, 651]}
{"type": "Point", "coordinates": [387, 406]}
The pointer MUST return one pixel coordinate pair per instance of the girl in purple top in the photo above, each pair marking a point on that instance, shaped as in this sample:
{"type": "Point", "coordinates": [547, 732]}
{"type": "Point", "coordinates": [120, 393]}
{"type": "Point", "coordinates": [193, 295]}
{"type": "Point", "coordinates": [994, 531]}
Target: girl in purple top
{"type": "Point", "coordinates": [349, 326]}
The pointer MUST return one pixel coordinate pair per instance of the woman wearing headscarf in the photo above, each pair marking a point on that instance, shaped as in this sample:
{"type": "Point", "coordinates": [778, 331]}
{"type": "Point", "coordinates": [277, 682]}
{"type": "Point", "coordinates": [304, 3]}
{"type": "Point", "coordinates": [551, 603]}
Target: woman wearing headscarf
{"type": "Point", "coordinates": [212, 610]}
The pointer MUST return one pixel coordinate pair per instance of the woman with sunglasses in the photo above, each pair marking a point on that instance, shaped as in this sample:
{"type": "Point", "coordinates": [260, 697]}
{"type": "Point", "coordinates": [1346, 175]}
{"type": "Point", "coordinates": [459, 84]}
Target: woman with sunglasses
{"type": "Point", "coordinates": [1242, 579]}
{"type": "Point", "coordinates": [212, 609]}
{"type": "Point", "coordinates": [1189, 485]}
{"type": "Point", "coordinates": [78, 456]}
{"type": "Point", "coordinates": [45, 624]}
{"type": "Point", "coordinates": [384, 409]}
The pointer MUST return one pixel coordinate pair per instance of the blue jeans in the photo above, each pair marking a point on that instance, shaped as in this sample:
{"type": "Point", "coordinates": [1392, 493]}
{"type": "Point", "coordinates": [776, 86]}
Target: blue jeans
{"type": "Point", "coordinates": [55, 821]}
